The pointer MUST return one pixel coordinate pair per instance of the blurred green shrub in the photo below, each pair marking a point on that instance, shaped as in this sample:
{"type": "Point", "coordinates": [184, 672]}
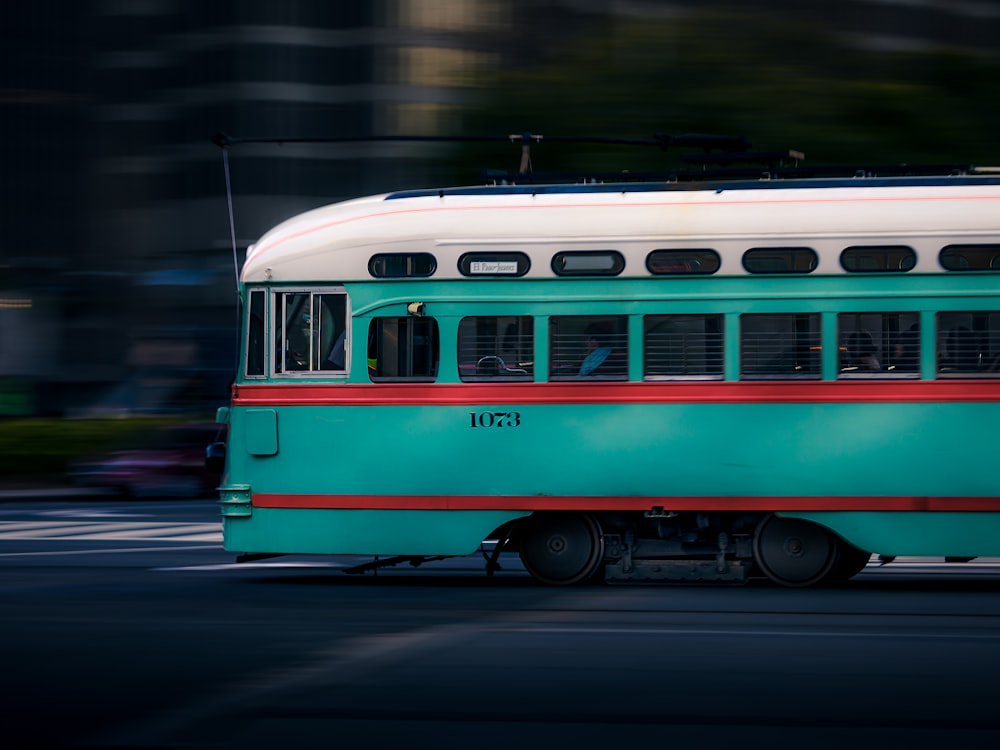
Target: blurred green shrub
{"type": "Point", "coordinates": [44, 448]}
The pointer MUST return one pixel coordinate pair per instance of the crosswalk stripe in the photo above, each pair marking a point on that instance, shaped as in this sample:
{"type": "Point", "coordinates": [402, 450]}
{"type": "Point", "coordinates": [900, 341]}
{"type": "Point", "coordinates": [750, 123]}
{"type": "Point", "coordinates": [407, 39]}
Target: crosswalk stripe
{"type": "Point", "coordinates": [150, 531]}
{"type": "Point", "coordinates": [83, 530]}
{"type": "Point", "coordinates": [13, 526]}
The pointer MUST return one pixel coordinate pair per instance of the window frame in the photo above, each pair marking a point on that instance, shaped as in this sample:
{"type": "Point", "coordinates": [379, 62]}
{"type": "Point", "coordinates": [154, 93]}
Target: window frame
{"type": "Point", "coordinates": [693, 253]}
{"type": "Point", "coordinates": [377, 258]}
{"type": "Point", "coordinates": [259, 294]}
{"type": "Point", "coordinates": [512, 371]}
{"type": "Point", "coordinates": [882, 252]}
{"type": "Point", "coordinates": [613, 328]}
{"type": "Point", "coordinates": [719, 319]}
{"type": "Point", "coordinates": [278, 308]}
{"type": "Point", "coordinates": [813, 345]}
{"type": "Point", "coordinates": [410, 322]}
{"type": "Point", "coordinates": [975, 248]}
{"type": "Point", "coordinates": [793, 251]}
{"type": "Point", "coordinates": [890, 337]}
{"type": "Point", "coordinates": [987, 363]}
{"type": "Point", "coordinates": [617, 263]}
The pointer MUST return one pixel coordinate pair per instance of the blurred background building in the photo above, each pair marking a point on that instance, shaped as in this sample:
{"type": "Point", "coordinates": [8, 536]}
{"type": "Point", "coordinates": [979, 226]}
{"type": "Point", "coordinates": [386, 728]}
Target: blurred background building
{"type": "Point", "coordinates": [117, 271]}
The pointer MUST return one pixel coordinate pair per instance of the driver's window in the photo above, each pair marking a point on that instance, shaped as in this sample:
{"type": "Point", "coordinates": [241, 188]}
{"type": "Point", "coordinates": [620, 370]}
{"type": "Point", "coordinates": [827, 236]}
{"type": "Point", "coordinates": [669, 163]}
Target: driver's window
{"type": "Point", "coordinates": [311, 332]}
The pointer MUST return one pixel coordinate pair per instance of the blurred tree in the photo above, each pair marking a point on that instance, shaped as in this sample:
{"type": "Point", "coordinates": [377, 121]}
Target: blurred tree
{"type": "Point", "coordinates": [781, 84]}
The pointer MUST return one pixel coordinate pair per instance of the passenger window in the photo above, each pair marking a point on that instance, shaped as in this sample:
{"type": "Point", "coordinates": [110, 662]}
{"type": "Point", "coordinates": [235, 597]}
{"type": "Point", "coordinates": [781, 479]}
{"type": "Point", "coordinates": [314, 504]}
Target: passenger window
{"type": "Point", "coordinates": [780, 260]}
{"type": "Point", "coordinates": [403, 349]}
{"type": "Point", "coordinates": [255, 334]}
{"type": "Point", "coordinates": [677, 262]}
{"type": "Point", "coordinates": [878, 258]}
{"type": "Point", "coordinates": [970, 258]}
{"type": "Point", "coordinates": [311, 332]}
{"type": "Point", "coordinates": [496, 348]}
{"type": "Point", "coordinates": [779, 346]}
{"type": "Point", "coordinates": [588, 347]}
{"type": "Point", "coordinates": [401, 265]}
{"type": "Point", "coordinates": [588, 263]}
{"type": "Point", "coordinates": [878, 344]}
{"type": "Point", "coordinates": [968, 344]}
{"type": "Point", "coordinates": [682, 347]}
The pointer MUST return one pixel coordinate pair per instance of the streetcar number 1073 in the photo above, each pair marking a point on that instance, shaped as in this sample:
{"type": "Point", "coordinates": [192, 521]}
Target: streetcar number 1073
{"type": "Point", "coordinates": [495, 419]}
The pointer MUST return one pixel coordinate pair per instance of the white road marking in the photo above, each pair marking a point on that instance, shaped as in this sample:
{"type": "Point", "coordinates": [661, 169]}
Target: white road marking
{"type": "Point", "coordinates": [115, 551]}
{"type": "Point", "coordinates": [91, 513]}
{"type": "Point", "coordinates": [248, 565]}
{"type": "Point", "coordinates": [110, 531]}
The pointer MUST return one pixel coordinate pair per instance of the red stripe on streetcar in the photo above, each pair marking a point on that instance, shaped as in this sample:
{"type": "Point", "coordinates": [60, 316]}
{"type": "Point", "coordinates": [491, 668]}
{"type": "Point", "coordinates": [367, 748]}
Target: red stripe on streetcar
{"type": "Point", "coordinates": [718, 503]}
{"type": "Point", "coordinates": [445, 394]}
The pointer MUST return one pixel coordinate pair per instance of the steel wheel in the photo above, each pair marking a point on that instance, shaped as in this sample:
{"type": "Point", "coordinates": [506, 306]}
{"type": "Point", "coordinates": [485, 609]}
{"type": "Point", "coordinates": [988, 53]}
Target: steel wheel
{"type": "Point", "coordinates": [793, 552]}
{"type": "Point", "coordinates": [561, 548]}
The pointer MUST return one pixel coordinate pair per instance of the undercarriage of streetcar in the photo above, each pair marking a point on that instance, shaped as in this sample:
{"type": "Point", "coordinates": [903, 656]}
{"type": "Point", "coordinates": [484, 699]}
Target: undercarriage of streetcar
{"type": "Point", "coordinates": [563, 548]}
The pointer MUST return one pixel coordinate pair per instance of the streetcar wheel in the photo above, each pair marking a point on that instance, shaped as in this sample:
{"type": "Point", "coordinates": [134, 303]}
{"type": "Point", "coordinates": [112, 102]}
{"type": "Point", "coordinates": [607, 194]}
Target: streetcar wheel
{"type": "Point", "coordinates": [793, 552]}
{"type": "Point", "coordinates": [561, 549]}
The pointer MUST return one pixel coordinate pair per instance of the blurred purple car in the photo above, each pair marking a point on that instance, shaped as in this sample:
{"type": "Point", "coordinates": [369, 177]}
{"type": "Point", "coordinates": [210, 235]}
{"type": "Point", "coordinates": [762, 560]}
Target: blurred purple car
{"type": "Point", "coordinates": [169, 463]}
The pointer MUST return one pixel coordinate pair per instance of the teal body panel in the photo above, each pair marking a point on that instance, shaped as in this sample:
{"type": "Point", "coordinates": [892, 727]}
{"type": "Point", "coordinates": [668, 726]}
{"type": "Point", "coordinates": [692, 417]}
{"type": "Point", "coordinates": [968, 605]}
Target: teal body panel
{"type": "Point", "coordinates": [362, 532]}
{"type": "Point", "coordinates": [940, 534]}
{"type": "Point", "coordinates": [631, 450]}
{"type": "Point", "coordinates": [828, 449]}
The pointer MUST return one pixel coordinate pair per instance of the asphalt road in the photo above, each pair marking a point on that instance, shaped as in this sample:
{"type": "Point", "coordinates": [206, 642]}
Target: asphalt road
{"type": "Point", "coordinates": [126, 626]}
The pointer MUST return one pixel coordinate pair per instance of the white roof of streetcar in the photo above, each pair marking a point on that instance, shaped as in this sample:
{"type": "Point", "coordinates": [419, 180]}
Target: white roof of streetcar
{"type": "Point", "coordinates": [336, 242]}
